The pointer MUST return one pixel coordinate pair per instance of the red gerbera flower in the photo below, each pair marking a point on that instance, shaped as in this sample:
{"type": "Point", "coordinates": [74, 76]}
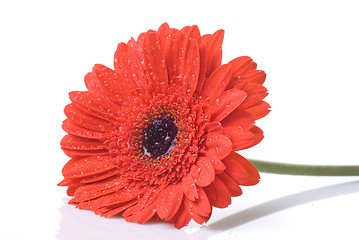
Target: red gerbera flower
{"type": "Point", "coordinates": [155, 138]}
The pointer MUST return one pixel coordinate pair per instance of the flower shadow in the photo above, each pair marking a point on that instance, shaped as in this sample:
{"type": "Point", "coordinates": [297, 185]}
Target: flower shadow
{"type": "Point", "coordinates": [280, 204]}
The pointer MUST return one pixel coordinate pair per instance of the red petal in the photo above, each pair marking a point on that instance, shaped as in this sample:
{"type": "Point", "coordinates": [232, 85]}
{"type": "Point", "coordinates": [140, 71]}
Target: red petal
{"type": "Point", "coordinates": [226, 103]}
{"type": "Point", "coordinates": [182, 217]}
{"type": "Point", "coordinates": [211, 193]}
{"type": "Point", "coordinates": [191, 68]}
{"type": "Point", "coordinates": [217, 82]}
{"type": "Point", "coordinates": [79, 143]}
{"type": "Point", "coordinates": [241, 170]}
{"type": "Point", "coordinates": [78, 181]}
{"type": "Point", "coordinates": [146, 206]}
{"type": "Point", "coordinates": [168, 202]}
{"type": "Point", "coordinates": [238, 119]}
{"type": "Point", "coordinates": [75, 130]}
{"type": "Point", "coordinates": [129, 67]}
{"type": "Point", "coordinates": [222, 196]}
{"type": "Point", "coordinates": [231, 185]}
{"type": "Point", "coordinates": [256, 93]}
{"type": "Point", "coordinates": [218, 145]}
{"type": "Point", "coordinates": [215, 127]}
{"type": "Point", "coordinates": [190, 65]}
{"type": "Point", "coordinates": [198, 218]}
{"type": "Point", "coordinates": [162, 32]}
{"type": "Point", "coordinates": [92, 196]}
{"type": "Point", "coordinates": [237, 127]}
{"type": "Point", "coordinates": [258, 136]}
{"type": "Point", "coordinates": [149, 196]}
{"type": "Point", "coordinates": [140, 216]}
{"type": "Point", "coordinates": [172, 50]}
{"type": "Point", "coordinates": [256, 76]}
{"type": "Point", "coordinates": [98, 189]}
{"type": "Point", "coordinates": [203, 172]}
{"type": "Point", "coordinates": [115, 209]}
{"type": "Point", "coordinates": [110, 82]}
{"type": "Point", "coordinates": [203, 67]}
{"type": "Point", "coordinates": [240, 138]}
{"type": "Point", "coordinates": [214, 50]}
{"type": "Point", "coordinates": [77, 146]}
{"type": "Point", "coordinates": [71, 190]}
{"type": "Point", "coordinates": [260, 110]}
{"type": "Point", "coordinates": [93, 85]}
{"type": "Point", "coordinates": [189, 187]}
{"type": "Point", "coordinates": [153, 62]}
{"type": "Point", "coordinates": [121, 196]}
{"type": "Point", "coordinates": [191, 36]}
{"type": "Point", "coordinates": [201, 206]}
{"type": "Point", "coordinates": [81, 167]}
{"type": "Point", "coordinates": [98, 177]}
{"type": "Point", "coordinates": [84, 153]}
{"type": "Point", "coordinates": [241, 65]}
{"type": "Point", "coordinates": [190, 33]}
{"type": "Point", "coordinates": [94, 105]}
{"type": "Point", "coordinates": [87, 121]}
{"type": "Point", "coordinates": [217, 164]}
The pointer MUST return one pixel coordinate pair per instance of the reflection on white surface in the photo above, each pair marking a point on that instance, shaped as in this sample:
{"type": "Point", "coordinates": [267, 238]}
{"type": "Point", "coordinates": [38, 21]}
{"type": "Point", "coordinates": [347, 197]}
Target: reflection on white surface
{"type": "Point", "coordinates": [80, 224]}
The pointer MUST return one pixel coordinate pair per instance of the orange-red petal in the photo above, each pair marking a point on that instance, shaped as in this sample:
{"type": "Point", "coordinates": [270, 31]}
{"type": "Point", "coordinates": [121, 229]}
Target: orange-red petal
{"type": "Point", "coordinates": [79, 143]}
{"type": "Point", "coordinates": [256, 76]}
{"type": "Point", "coordinates": [191, 68]}
{"type": "Point", "coordinates": [227, 103]}
{"type": "Point", "coordinates": [203, 171]}
{"type": "Point", "coordinates": [129, 67]}
{"type": "Point", "coordinates": [75, 130]}
{"type": "Point", "coordinates": [189, 187]}
{"type": "Point", "coordinates": [217, 82]}
{"type": "Point", "coordinates": [218, 194]}
{"type": "Point", "coordinates": [182, 217]}
{"type": "Point", "coordinates": [256, 93]}
{"type": "Point", "coordinates": [94, 105]}
{"type": "Point", "coordinates": [79, 181]}
{"type": "Point", "coordinates": [241, 65]}
{"type": "Point", "coordinates": [110, 81]}
{"type": "Point", "coordinates": [259, 110]}
{"type": "Point", "coordinates": [214, 50]}
{"type": "Point", "coordinates": [218, 145]}
{"type": "Point", "coordinates": [214, 127]}
{"type": "Point", "coordinates": [169, 201]}
{"type": "Point", "coordinates": [124, 195]}
{"type": "Point", "coordinates": [85, 120]}
{"type": "Point", "coordinates": [241, 170]}
{"type": "Point", "coordinates": [153, 62]}
{"type": "Point", "coordinates": [258, 136]}
{"type": "Point", "coordinates": [238, 119]}
{"type": "Point", "coordinates": [202, 77]}
{"type": "Point", "coordinates": [218, 165]}
{"type": "Point", "coordinates": [230, 184]}
{"type": "Point", "coordinates": [100, 188]}
{"type": "Point", "coordinates": [201, 206]}
{"type": "Point", "coordinates": [86, 166]}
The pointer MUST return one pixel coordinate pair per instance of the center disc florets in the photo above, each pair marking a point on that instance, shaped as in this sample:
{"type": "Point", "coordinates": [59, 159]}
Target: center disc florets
{"type": "Point", "coordinates": [159, 136]}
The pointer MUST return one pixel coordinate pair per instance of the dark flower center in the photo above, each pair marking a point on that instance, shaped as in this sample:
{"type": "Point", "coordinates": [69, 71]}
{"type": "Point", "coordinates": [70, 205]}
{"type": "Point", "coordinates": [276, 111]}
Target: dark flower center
{"type": "Point", "coordinates": [159, 136]}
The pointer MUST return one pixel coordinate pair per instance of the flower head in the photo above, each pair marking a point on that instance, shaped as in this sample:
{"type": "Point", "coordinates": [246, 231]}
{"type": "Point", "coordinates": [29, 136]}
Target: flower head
{"type": "Point", "coordinates": [155, 138]}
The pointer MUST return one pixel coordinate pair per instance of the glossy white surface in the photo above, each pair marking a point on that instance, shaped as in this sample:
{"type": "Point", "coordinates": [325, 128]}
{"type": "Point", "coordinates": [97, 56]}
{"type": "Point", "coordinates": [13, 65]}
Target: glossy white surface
{"type": "Point", "coordinates": [309, 50]}
{"type": "Point", "coordinates": [326, 209]}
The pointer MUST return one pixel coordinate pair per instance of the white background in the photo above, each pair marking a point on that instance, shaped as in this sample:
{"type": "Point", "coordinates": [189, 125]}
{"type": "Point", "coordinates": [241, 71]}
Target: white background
{"type": "Point", "coordinates": [309, 50]}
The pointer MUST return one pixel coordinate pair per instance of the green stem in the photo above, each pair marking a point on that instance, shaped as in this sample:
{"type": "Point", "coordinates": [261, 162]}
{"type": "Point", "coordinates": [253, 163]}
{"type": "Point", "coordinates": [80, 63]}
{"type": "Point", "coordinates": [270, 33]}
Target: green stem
{"type": "Point", "coordinates": [301, 169]}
